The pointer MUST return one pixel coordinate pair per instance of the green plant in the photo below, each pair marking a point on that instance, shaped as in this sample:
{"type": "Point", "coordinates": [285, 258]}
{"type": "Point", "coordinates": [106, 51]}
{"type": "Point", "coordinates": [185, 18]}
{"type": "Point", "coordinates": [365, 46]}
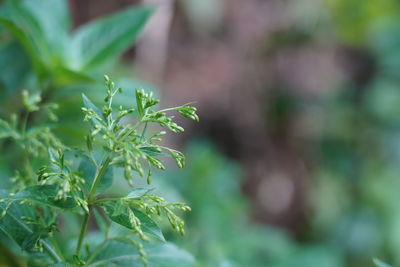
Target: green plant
{"type": "Point", "coordinates": [75, 182]}
{"type": "Point", "coordinates": [42, 53]}
{"type": "Point", "coordinates": [58, 56]}
{"type": "Point", "coordinates": [39, 48]}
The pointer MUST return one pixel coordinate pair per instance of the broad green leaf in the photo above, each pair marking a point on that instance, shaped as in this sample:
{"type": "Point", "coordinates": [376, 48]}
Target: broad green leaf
{"type": "Point", "coordinates": [149, 225]}
{"type": "Point", "coordinates": [121, 217]}
{"type": "Point", "coordinates": [29, 24]}
{"type": "Point", "coordinates": [54, 25]}
{"type": "Point", "coordinates": [44, 35]}
{"type": "Point", "coordinates": [104, 39]}
{"type": "Point", "coordinates": [14, 227]}
{"type": "Point", "coordinates": [121, 254]}
{"type": "Point", "coordinates": [44, 194]}
{"type": "Point", "coordinates": [87, 171]}
{"type": "Point", "coordinates": [47, 30]}
{"type": "Point", "coordinates": [15, 67]}
{"type": "Point", "coordinates": [139, 191]}
{"type": "Point", "coordinates": [380, 263]}
{"type": "Point", "coordinates": [25, 41]}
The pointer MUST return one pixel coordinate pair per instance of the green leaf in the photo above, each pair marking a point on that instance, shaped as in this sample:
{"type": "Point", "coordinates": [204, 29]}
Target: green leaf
{"type": "Point", "coordinates": [104, 39]}
{"type": "Point", "coordinates": [14, 227]}
{"type": "Point", "coordinates": [139, 191]}
{"type": "Point", "coordinates": [44, 35]}
{"type": "Point", "coordinates": [25, 41]}
{"type": "Point", "coordinates": [148, 225]}
{"type": "Point", "coordinates": [48, 30]}
{"type": "Point", "coordinates": [87, 171]}
{"type": "Point", "coordinates": [121, 254]}
{"type": "Point", "coordinates": [121, 217]}
{"type": "Point", "coordinates": [15, 66]}
{"type": "Point", "coordinates": [380, 263]}
{"type": "Point", "coordinates": [44, 194]}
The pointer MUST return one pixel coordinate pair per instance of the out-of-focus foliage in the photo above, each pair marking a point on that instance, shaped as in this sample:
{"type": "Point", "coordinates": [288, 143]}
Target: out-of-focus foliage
{"type": "Point", "coordinates": [220, 230]}
{"type": "Point", "coordinates": [359, 146]}
{"type": "Point", "coordinates": [345, 132]}
{"type": "Point", "coordinates": [354, 19]}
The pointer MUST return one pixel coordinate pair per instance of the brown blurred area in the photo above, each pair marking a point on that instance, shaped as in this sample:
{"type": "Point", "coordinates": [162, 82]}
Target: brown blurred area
{"type": "Point", "coordinates": [247, 64]}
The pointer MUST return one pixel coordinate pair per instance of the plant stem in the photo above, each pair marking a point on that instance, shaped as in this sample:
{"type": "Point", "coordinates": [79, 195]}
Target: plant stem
{"type": "Point", "coordinates": [92, 194]}
{"type": "Point", "coordinates": [144, 131]}
{"type": "Point", "coordinates": [82, 232]}
{"type": "Point", "coordinates": [97, 180]}
{"type": "Point", "coordinates": [106, 199]}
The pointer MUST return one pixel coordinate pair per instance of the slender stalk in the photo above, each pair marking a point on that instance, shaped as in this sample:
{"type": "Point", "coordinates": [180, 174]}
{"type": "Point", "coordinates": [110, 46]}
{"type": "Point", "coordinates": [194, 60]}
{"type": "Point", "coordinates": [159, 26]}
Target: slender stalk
{"type": "Point", "coordinates": [98, 178]}
{"type": "Point", "coordinates": [105, 199]}
{"type": "Point", "coordinates": [82, 232]}
{"type": "Point", "coordinates": [144, 131]}
{"type": "Point", "coordinates": [91, 197]}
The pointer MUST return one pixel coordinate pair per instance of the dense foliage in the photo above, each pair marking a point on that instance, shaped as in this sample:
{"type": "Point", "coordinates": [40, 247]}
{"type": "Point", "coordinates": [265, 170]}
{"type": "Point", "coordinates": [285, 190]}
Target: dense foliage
{"type": "Point", "coordinates": [52, 192]}
{"type": "Point", "coordinates": [74, 179]}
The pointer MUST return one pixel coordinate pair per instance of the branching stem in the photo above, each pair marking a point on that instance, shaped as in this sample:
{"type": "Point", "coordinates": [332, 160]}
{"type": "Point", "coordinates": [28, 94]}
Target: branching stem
{"type": "Point", "coordinates": [92, 194]}
{"type": "Point", "coordinates": [98, 178]}
{"type": "Point", "coordinates": [82, 232]}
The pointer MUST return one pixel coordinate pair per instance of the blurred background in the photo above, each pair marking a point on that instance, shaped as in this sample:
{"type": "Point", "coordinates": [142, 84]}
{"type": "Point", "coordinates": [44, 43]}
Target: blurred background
{"type": "Point", "coordinates": [296, 159]}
